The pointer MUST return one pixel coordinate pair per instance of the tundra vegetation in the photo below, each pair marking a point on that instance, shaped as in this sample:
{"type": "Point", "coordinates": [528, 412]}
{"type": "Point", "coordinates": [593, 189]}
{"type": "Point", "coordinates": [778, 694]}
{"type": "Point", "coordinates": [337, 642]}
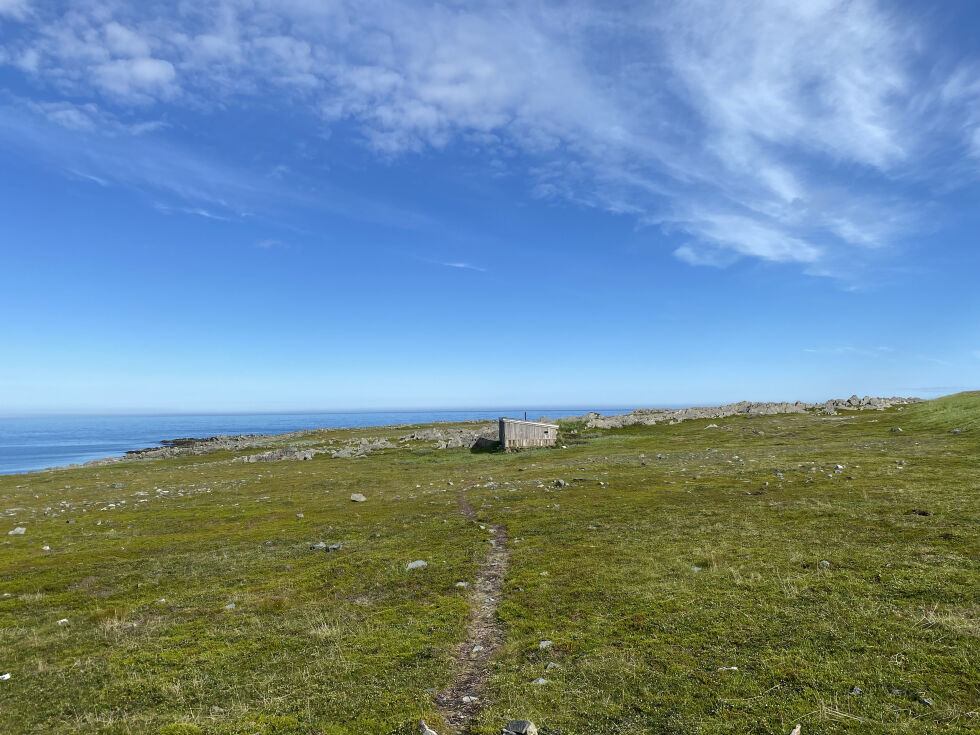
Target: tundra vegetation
{"type": "Point", "coordinates": [743, 578]}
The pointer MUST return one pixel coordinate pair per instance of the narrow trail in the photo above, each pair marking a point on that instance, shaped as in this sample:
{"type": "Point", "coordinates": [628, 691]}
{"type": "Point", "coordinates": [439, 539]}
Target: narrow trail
{"type": "Point", "coordinates": [484, 633]}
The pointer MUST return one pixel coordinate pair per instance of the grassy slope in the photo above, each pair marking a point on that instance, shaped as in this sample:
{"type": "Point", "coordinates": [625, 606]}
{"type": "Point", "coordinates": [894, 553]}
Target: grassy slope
{"type": "Point", "coordinates": [351, 642]}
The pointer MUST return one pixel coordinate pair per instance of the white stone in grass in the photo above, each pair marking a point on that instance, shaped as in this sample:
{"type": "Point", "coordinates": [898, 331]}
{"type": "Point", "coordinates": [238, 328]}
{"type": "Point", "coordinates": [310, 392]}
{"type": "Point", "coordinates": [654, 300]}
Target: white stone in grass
{"type": "Point", "coordinates": [540, 681]}
{"type": "Point", "coordinates": [19, 531]}
{"type": "Point", "coordinates": [426, 730]}
{"type": "Point", "coordinates": [470, 699]}
{"type": "Point", "coordinates": [45, 548]}
{"type": "Point", "coordinates": [419, 564]}
{"type": "Point", "coordinates": [357, 498]}
{"type": "Point", "coordinates": [545, 644]}
{"type": "Point", "coordinates": [63, 621]}
{"type": "Point", "coordinates": [4, 677]}
{"type": "Point", "coordinates": [230, 606]}
{"type": "Point", "coordinates": [299, 515]}
{"type": "Point", "coordinates": [463, 584]}
{"type": "Point", "coordinates": [728, 668]}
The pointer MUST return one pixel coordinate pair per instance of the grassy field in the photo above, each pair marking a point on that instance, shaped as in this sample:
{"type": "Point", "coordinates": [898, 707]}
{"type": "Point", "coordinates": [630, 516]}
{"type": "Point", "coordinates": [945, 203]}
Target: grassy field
{"type": "Point", "coordinates": [822, 570]}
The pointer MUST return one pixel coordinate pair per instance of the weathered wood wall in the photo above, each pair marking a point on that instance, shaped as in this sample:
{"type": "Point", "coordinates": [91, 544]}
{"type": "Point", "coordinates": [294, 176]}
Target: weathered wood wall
{"type": "Point", "coordinates": [516, 434]}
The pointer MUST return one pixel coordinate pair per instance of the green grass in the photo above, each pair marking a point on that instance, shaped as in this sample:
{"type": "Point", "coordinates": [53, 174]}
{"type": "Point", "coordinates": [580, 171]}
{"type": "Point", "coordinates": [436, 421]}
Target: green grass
{"type": "Point", "coordinates": [675, 568]}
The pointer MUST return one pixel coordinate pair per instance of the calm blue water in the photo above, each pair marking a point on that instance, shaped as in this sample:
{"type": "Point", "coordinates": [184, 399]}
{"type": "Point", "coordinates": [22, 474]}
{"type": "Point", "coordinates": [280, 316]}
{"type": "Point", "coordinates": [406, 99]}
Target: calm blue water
{"type": "Point", "coordinates": [33, 443]}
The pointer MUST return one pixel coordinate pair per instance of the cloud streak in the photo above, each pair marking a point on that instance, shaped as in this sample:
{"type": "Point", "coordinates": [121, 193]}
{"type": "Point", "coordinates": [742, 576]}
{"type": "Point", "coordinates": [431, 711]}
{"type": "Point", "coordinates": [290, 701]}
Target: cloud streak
{"type": "Point", "coordinates": [780, 131]}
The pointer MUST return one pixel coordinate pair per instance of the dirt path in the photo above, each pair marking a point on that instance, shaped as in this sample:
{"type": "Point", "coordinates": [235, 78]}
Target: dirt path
{"type": "Point", "coordinates": [483, 634]}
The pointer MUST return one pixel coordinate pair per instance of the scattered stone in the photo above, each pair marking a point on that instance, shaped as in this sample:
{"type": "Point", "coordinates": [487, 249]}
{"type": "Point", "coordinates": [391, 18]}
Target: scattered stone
{"type": "Point", "coordinates": [416, 565]}
{"type": "Point", "coordinates": [117, 486]}
{"type": "Point", "coordinates": [230, 606]}
{"type": "Point", "coordinates": [797, 730]}
{"type": "Point", "coordinates": [520, 727]}
{"type": "Point", "coordinates": [357, 498]}
{"type": "Point", "coordinates": [824, 563]}
{"type": "Point", "coordinates": [540, 681]}
{"type": "Point", "coordinates": [476, 651]}
{"type": "Point", "coordinates": [711, 426]}
{"type": "Point", "coordinates": [63, 621]}
{"type": "Point", "coordinates": [45, 548]}
{"type": "Point", "coordinates": [728, 668]}
{"type": "Point", "coordinates": [561, 483]}
{"type": "Point", "coordinates": [545, 644]}
{"type": "Point", "coordinates": [463, 585]}
{"type": "Point", "coordinates": [4, 677]}
{"type": "Point", "coordinates": [857, 691]}
{"type": "Point", "coordinates": [957, 431]}
{"type": "Point", "coordinates": [19, 531]}
{"type": "Point", "coordinates": [299, 515]}
{"type": "Point", "coordinates": [927, 701]}
{"type": "Point", "coordinates": [426, 730]}
{"type": "Point", "coordinates": [470, 699]}
{"type": "Point", "coordinates": [318, 545]}
{"type": "Point", "coordinates": [896, 430]}
{"type": "Point", "coordinates": [336, 547]}
{"type": "Point", "coordinates": [551, 666]}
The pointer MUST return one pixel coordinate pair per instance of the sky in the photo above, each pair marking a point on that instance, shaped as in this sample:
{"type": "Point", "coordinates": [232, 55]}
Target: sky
{"type": "Point", "coordinates": [260, 205]}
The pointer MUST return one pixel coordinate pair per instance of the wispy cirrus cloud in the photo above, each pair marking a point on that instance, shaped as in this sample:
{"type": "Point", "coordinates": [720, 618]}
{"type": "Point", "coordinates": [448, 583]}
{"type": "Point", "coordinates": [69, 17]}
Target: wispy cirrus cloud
{"type": "Point", "coordinates": [464, 266]}
{"type": "Point", "coordinates": [779, 131]}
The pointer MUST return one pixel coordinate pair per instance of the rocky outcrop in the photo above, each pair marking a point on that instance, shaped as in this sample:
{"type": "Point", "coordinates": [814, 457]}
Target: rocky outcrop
{"type": "Point", "coordinates": [291, 454]}
{"type": "Point", "coordinates": [450, 438]}
{"type": "Point", "coordinates": [749, 409]}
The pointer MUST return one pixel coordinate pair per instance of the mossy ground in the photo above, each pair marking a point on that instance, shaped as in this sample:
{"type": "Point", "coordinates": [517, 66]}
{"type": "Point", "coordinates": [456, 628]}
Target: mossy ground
{"type": "Point", "coordinates": [810, 584]}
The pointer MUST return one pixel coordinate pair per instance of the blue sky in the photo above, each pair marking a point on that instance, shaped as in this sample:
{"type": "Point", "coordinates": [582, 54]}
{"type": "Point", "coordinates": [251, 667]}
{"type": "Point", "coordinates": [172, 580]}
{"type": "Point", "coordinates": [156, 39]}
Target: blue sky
{"type": "Point", "coordinates": [254, 205]}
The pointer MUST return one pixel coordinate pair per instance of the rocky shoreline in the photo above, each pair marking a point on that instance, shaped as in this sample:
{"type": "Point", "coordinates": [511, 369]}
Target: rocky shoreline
{"type": "Point", "coordinates": [450, 436]}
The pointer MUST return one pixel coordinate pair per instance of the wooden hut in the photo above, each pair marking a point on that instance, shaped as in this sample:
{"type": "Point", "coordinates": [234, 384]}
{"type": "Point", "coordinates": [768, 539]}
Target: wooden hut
{"type": "Point", "coordinates": [515, 434]}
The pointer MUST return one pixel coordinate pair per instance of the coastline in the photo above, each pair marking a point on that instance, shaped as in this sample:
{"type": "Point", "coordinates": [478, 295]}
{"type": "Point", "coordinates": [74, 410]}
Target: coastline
{"type": "Point", "coordinates": [455, 436]}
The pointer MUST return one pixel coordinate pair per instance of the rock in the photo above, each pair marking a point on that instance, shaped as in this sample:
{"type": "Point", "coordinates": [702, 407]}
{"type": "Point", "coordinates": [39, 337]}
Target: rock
{"type": "Point", "coordinates": [824, 563]}
{"type": "Point", "coordinates": [117, 486]}
{"type": "Point", "coordinates": [416, 565]}
{"type": "Point", "coordinates": [357, 498]}
{"type": "Point", "coordinates": [470, 699]}
{"type": "Point", "coordinates": [476, 651]}
{"type": "Point", "coordinates": [896, 430]}
{"type": "Point", "coordinates": [561, 483]}
{"type": "Point", "coordinates": [540, 681]}
{"type": "Point", "coordinates": [728, 668]}
{"type": "Point", "coordinates": [545, 644]}
{"type": "Point", "coordinates": [551, 666]}
{"type": "Point", "coordinates": [63, 621]}
{"type": "Point", "coordinates": [520, 727]}
{"type": "Point", "coordinates": [336, 547]}
{"type": "Point", "coordinates": [318, 545]}
{"type": "Point", "coordinates": [927, 701]}
{"type": "Point", "coordinates": [711, 426]}
{"type": "Point", "coordinates": [957, 431]}
{"type": "Point", "coordinates": [462, 585]}
{"type": "Point", "coordinates": [425, 729]}
{"type": "Point", "coordinates": [856, 691]}
{"type": "Point", "coordinates": [19, 531]}
{"type": "Point", "coordinates": [230, 606]}
{"type": "Point", "coordinates": [4, 677]}
{"type": "Point", "coordinates": [797, 730]}
{"type": "Point", "coordinates": [299, 515]}
{"type": "Point", "coordinates": [45, 548]}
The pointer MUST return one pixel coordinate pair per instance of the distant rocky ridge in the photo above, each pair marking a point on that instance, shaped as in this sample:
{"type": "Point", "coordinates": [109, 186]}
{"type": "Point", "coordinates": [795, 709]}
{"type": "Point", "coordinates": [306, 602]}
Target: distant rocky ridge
{"type": "Point", "coordinates": [749, 409]}
{"type": "Point", "coordinates": [449, 436]}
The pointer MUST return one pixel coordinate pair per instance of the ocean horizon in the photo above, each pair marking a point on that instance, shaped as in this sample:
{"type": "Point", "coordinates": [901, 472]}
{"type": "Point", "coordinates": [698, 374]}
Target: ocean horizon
{"type": "Point", "coordinates": [33, 443]}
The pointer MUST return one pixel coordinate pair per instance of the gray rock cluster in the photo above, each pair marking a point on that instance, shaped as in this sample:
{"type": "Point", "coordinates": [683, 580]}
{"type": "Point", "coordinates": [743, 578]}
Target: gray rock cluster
{"type": "Point", "coordinates": [451, 438]}
{"type": "Point", "coordinates": [291, 454]}
{"type": "Point", "coordinates": [749, 409]}
{"type": "Point", "coordinates": [361, 448]}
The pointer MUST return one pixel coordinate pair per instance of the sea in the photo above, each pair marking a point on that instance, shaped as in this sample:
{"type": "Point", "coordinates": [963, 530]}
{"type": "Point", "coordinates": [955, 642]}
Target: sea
{"type": "Point", "coordinates": [38, 442]}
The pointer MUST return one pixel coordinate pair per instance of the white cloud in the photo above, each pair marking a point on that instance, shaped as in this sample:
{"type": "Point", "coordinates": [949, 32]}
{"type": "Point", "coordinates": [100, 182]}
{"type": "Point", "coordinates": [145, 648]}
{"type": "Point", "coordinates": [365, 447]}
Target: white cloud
{"type": "Point", "coordinates": [777, 130]}
{"type": "Point", "coordinates": [138, 80]}
{"type": "Point", "coordinates": [16, 9]}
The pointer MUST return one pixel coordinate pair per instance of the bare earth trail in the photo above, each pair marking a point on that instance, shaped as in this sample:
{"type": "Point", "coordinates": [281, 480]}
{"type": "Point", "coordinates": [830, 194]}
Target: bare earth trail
{"type": "Point", "coordinates": [483, 633]}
